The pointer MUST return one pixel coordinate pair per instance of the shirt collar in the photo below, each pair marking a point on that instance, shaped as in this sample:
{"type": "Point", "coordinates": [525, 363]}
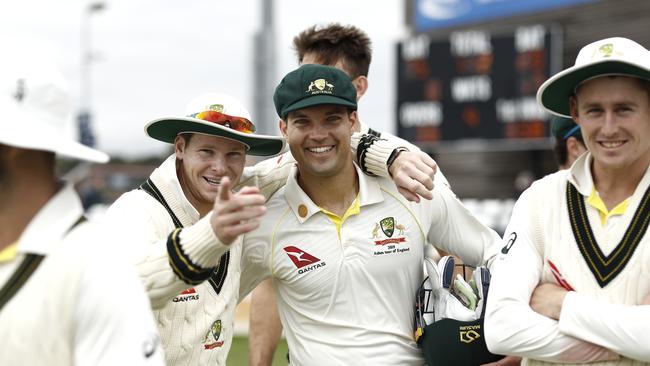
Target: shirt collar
{"type": "Point", "coordinates": [580, 174]}
{"type": "Point", "coordinates": [581, 177]}
{"type": "Point", "coordinates": [303, 207]}
{"type": "Point", "coordinates": [8, 253]}
{"type": "Point", "coordinates": [52, 222]}
{"type": "Point", "coordinates": [166, 174]}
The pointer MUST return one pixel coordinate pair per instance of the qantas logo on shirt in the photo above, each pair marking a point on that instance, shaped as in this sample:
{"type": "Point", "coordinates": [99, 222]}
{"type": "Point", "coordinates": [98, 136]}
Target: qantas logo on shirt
{"type": "Point", "coordinates": [303, 259]}
{"type": "Point", "coordinates": [187, 295]}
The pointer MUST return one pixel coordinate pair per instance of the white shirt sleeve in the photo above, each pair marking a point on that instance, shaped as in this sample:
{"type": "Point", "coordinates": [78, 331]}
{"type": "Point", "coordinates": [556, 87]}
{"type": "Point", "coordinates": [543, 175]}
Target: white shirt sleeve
{"type": "Point", "coordinates": [255, 261]}
{"type": "Point", "coordinates": [512, 327]}
{"type": "Point", "coordinates": [147, 229]}
{"type": "Point", "coordinates": [378, 154]}
{"type": "Point", "coordinates": [620, 328]}
{"type": "Point", "coordinates": [268, 175]}
{"type": "Point", "coordinates": [456, 230]}
{"type": "Point", "coordinates": [113, 321]}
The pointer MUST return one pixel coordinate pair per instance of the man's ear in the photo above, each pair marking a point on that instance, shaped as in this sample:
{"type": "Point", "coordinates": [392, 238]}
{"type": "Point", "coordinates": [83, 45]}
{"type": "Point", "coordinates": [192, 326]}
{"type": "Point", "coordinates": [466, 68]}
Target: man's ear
{"type": "Point", "coordinates": [282, 124]}
{"type": "Point", "coordinates": [361, 84]}
{"type": "Point", "coordinates": [179, 146]}
{"type": "Point", "coordinates": [574, 147]}
{"type": "Point", "coordinates": [353, 121]}
{"type": "Point", "coordinates": [573, 107]}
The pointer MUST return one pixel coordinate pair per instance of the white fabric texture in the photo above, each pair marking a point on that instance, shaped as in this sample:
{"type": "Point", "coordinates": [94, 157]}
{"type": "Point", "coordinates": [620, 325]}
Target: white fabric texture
{"type": "Point", "coordinates": [349, 299]}
{"type": "Point", "coordinates": [185, 320]}
{"type": "Point", "coordinates": [84, 305]}
{"type": "Point", "coordinates": [609, 317]}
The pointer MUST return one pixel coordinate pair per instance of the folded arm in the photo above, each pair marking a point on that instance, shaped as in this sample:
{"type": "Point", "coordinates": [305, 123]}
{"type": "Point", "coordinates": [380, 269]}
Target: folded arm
{"type": "Point", "coordinates": [512, 327]}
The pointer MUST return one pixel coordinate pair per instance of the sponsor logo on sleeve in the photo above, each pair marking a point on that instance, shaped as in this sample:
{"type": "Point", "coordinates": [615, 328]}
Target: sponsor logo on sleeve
{"type": "Point", "coordinates": [511, 241]}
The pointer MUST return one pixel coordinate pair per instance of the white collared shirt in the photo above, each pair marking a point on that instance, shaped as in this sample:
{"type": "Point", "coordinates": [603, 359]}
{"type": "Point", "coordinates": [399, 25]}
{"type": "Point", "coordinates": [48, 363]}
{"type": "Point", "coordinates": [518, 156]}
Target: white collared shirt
{"type": "Point", "coordinates": [83, 305]}
{"type": "Point", "coordinates": [350, 300]}
{"type": "Point", "coordinates": [539, 233]}
{"type": "Point", "coordinates": [195, 324]}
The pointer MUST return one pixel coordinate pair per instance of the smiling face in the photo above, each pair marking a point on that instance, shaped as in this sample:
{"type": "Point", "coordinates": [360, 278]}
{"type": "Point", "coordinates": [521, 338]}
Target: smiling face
{"type": "Point", "coordinates": [319, 139]}
{"type": "Point", "coordinates": [202, 162]}
{"type": "Point", "coordinates": [614, 115]}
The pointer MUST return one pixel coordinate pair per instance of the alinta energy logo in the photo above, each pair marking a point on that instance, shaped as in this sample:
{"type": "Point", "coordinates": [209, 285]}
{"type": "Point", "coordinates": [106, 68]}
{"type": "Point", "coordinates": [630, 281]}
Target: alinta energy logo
{"type": "Point", "coordinates": [304, 261]}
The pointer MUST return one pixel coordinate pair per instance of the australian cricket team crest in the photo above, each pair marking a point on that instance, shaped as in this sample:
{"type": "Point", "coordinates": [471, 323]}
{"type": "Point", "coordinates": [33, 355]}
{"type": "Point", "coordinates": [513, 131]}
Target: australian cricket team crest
{"type": "Point", "coordinates": [211, 338]}
{"type": "Point", "coordinates": [605, 51]}
{"type": "Point", "coordinates": [216, 108]}
{"type": "Point", "coordinates": [388, 226]}
{"type": "Point", "coordinates": [320, 86]}
{"type": "Point", "coordinates": [393, 234]}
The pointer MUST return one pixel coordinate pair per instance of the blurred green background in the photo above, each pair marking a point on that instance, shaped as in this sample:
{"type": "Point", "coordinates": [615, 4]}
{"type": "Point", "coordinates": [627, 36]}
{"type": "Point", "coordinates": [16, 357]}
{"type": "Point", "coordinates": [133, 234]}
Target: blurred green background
{"type": "Point", "coordinates": [238, 355]}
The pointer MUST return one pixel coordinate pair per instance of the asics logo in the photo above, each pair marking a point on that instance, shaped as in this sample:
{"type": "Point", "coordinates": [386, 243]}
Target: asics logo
{"type": "Point", "coordinates": [299, 257]}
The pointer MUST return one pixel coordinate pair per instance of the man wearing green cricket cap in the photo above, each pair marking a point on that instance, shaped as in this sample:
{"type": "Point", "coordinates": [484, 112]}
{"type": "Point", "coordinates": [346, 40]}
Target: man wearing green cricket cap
{"type": "Point", "coordinates": [571, 285]}
{"type": "Point", "coordinates": [345, 250]}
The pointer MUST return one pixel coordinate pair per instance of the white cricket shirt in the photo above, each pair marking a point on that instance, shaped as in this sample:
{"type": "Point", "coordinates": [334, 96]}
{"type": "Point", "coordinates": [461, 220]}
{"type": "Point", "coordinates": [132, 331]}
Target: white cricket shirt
{"type": "Point", "coordinates": [349, 299]}
{"type": "Point", "coordinates": [84, 305]}
{"type": "Point", "coordinates": [540, 233]}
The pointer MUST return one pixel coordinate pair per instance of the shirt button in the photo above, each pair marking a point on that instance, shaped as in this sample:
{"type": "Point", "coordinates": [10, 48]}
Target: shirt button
{"type": "Point", "coordinates": [302, 210]}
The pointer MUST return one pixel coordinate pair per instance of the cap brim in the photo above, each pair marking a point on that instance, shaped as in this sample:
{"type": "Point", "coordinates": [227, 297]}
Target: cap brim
{"type": "Point", "coordinates": [554, 94]}
{"type": "Point", "coordinates": [318, 100]}
{"type": "Point", "coordinates": [166, 130]}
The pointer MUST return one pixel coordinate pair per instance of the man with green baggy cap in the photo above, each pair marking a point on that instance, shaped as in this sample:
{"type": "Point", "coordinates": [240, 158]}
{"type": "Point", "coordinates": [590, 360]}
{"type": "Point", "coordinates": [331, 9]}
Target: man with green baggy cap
{"type": "Point", "coordinates": [571, 284]}
{"type": "Point", "coordinates": [345, 250]}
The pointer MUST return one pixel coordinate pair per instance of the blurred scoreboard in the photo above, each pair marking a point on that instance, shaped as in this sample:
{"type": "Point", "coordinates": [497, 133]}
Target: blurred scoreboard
{"type": "Point", "coordinates": [474, 85]}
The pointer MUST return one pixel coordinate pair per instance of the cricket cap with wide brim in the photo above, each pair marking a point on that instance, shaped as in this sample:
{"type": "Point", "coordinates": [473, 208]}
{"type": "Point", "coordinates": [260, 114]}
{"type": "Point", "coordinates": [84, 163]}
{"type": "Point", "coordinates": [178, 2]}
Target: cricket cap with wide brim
{"type": "Point", "coordinates": [219, 115]}
{"type": "Point", "coordinates": [36, 104]}
{"type": "Point", "coordinates": [311, 85]}
{"type": "Point", "coordinates": [611, 56]}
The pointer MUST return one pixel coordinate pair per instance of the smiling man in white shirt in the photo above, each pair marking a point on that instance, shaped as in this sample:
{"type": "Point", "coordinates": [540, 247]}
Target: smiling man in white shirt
{"type": "Point", "coordinates": [571, 285]}
{"type": "Point", "coordinates": [345, 250]}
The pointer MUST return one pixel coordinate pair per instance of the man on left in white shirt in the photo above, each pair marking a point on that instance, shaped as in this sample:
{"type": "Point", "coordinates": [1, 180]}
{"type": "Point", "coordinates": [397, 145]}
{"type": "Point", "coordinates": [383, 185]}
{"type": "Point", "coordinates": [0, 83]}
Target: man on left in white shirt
{"type": "Point", "coordinates": [65, 299]}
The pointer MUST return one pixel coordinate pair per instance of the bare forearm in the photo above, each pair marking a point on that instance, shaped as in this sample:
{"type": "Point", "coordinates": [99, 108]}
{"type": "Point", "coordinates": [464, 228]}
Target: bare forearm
{"type": "Point", "coordinates": [265, 326]}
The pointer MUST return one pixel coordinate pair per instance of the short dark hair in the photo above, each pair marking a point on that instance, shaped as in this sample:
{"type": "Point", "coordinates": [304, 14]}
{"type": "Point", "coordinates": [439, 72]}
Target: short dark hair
{"type": "Point", "coordinates": [335, 42]}
{"type": "Point", "coordinates": [560, 151]}
{"type": "Point", "coordinates": [187, 136]}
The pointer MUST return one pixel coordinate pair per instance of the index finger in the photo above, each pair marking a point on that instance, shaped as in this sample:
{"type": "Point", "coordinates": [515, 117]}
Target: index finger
{"type": "Point", "coordinates": [224, 189]}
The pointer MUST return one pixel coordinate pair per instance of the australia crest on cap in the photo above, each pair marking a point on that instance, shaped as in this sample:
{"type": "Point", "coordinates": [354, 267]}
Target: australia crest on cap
{"type": "Point", "coordinates": [605, 51]}
{"type": "Point", "coordinates": [216, 108]}
{"type": "Point", "coordinates": [320, 86]}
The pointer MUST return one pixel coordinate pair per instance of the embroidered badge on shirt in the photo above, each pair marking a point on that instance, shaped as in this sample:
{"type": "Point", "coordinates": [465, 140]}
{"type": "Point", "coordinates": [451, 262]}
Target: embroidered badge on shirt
{"type": "Point", "coordinates": [389, 244]}
{"type": "Point", "coordinates": [213, 334]}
